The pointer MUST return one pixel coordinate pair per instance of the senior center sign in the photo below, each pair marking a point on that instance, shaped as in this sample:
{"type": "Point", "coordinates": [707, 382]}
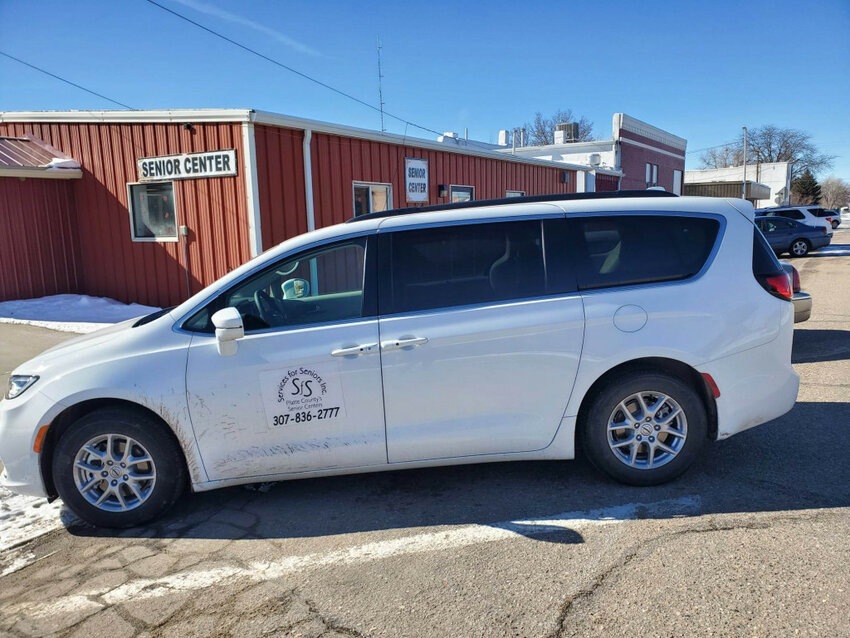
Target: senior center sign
{"type": "Point", "coordinates": [187, 166]}
{"type": "Point", "coordinates": [416, 179]}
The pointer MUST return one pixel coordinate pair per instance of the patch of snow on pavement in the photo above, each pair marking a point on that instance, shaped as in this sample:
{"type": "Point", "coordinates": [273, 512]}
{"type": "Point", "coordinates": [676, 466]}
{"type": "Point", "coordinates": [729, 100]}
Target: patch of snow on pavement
{"type": "Point", "coordinates": [23, 518]}
{"type": "Point", "coordinates": [70, 313]}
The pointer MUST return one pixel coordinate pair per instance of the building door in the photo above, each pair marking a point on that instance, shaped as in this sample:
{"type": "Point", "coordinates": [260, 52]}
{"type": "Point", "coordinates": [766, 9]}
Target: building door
{"type": "Point", "coordinates": [677, 182]}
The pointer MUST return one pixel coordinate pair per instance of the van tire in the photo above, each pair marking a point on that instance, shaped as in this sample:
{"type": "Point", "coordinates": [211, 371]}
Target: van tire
{"type": "Point", "coordinates": [80, 459]}
{"type": "Point", "coordinates": [611, 450]}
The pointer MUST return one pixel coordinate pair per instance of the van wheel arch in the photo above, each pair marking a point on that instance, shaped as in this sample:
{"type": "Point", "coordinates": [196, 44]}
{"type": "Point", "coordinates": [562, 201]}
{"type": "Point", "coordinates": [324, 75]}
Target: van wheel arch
{"type": "Point", "coordinates": [653, 365]}
{"type": "Point", "coordinates": [71, 415]}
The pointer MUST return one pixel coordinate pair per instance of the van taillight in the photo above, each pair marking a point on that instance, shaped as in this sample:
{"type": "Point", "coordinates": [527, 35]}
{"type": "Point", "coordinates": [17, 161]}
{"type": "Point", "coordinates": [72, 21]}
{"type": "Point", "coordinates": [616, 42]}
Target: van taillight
{"type": "Point", "coordinates": [778, 285]}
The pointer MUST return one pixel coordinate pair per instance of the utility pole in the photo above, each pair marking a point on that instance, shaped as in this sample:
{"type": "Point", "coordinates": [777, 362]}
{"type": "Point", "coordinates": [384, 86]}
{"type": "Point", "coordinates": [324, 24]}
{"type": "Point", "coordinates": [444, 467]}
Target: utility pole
{"type": "Point", "coordinates": [380, 86]}
{"type": "Point", "coordinates": [744, 185]}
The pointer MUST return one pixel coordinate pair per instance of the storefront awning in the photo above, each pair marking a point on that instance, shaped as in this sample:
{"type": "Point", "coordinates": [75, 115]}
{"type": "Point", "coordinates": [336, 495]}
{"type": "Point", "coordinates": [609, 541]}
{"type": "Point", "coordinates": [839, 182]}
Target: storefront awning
{"type": "Point", "coordinates": [29, 156]}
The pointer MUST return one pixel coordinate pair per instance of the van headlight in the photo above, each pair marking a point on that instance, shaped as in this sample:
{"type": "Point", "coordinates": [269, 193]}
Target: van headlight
{"type": "Point", "coordinates": [18, 384]}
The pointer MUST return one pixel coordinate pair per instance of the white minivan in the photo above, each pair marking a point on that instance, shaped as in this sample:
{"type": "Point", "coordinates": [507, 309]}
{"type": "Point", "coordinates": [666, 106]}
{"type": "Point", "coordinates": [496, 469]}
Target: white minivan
{"type": "Point", "coordinates": [642, 324]}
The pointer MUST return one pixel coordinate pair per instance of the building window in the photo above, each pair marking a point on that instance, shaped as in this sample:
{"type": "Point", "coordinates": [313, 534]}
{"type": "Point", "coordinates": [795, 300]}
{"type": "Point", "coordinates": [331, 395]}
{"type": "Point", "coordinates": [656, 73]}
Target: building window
{"type": "Point", "coordinates": [461, 193]}
{"type": "Point", "coordinates": [651, 175]}
{"type": "Point", "coordinates": [514, 193]}
{"type": "Point", "coordinates": [372, 197]}
{"type": "Point", "coordinates": [152, 211]}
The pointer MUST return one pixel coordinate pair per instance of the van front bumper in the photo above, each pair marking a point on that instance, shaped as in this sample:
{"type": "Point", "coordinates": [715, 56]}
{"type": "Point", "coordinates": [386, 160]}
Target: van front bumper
{"type": "Point", "coordinates": [20, 420]}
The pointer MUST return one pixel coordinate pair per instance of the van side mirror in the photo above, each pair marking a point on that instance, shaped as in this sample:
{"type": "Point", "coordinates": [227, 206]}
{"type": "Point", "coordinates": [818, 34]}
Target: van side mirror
{"type": "Point", "coordinates": [228, 328]}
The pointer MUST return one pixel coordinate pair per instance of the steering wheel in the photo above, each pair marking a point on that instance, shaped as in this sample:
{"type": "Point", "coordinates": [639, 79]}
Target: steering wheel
{"type": "Point", "coordinates": [268, 309]}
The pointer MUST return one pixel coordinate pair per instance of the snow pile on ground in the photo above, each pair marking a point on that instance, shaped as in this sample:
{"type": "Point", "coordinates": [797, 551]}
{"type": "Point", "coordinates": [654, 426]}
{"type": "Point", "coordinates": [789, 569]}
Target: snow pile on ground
{"type": "Point", "coordinates": [23, 518]}
{"type": "Point", "coordinates": [70, 313]}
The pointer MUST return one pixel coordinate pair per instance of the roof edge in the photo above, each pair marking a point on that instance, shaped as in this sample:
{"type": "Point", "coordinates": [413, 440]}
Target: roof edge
{"type": "Point", "coordinates": [270, 119]}
{"type": "Point", "coordinates": [159, 115]}
{"type": "Point", "coordinates": [288, 121]}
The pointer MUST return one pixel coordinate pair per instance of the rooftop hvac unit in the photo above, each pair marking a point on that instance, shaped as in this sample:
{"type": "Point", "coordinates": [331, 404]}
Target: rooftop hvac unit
{"type": "Point", "coordinates": [566, 132]}
{"type": "Point", "coordinates": [594, 159]}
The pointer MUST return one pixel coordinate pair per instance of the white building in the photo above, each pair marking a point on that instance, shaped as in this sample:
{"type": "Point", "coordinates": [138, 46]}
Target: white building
{"type": "Point", "coordinates": [636, 156]}
{"type": "Point", "coordinates": [776, 176]}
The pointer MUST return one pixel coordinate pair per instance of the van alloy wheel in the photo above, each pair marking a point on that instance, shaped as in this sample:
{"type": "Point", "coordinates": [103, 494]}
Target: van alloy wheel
{"type": "Point", "coordinates": [115, 473]}
{"type": "Point", "coordinates": [644, 426]}
{"type": "Point", "coordinates": [647, 430]}
{"type": "Point", "coordinates": [118, 467]}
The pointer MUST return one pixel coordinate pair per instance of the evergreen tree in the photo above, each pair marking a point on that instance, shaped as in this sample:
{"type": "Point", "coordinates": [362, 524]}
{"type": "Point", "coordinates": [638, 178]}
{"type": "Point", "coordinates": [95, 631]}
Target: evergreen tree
{"type": "Point", "coordinates": [805, 189]}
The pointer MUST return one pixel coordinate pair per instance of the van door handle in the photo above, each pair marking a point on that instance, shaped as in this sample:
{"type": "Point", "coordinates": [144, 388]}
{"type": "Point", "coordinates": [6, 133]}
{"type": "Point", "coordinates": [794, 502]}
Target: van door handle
{"type": "Point", "coordinates": [397, 344]}
{"type": "Point", "coordinates": [353, 351]}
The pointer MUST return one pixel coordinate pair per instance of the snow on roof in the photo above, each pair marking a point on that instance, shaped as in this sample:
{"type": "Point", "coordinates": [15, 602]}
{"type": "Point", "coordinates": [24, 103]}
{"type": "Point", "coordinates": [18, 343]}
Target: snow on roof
{"type": "Point", "coordinates": [30, 156]}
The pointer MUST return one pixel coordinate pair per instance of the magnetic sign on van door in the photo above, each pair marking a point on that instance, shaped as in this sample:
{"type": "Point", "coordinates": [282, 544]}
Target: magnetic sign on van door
{"type": "Point", "coordinates": [301, 395]}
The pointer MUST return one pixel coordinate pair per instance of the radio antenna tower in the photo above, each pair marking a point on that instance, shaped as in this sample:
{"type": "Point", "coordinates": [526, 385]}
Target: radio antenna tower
{"type": "Point", "coordinates": [380, 86]}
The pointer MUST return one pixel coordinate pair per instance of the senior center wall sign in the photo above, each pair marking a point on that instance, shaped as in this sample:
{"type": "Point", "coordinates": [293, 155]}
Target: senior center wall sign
{"type": "Point", "coordinates": [416, 179]}
{"type": "Point", "coordinates": [187, 166]}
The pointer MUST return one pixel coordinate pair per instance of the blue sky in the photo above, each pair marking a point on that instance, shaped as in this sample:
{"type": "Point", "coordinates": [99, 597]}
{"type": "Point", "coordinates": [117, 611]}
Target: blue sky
{"type": "Point", "coordinates": [698, 69]}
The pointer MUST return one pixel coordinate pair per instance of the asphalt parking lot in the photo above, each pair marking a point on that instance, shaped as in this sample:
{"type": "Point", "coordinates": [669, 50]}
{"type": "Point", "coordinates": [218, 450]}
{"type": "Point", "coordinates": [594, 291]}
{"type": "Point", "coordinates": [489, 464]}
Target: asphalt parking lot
{"type": "Point", "coordinates": [753, 540]}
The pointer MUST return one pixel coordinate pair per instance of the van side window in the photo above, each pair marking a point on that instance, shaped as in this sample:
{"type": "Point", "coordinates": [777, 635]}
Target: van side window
{"type": "Point", "coordinates": [638, 249]}
{"type": "Point", "coordinates": [317, 286]}
{"type": "Point", "coordinates": [464, 264]}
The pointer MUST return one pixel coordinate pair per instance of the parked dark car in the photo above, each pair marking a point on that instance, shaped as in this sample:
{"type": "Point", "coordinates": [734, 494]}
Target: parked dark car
{"type": "Point", "coordinates": [793, 237]}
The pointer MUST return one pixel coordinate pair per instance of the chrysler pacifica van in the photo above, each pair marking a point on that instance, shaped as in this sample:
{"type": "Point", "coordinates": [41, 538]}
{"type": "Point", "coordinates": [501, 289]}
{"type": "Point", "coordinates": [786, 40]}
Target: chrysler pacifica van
{"type": "Point", "coordinates": [641, 325]}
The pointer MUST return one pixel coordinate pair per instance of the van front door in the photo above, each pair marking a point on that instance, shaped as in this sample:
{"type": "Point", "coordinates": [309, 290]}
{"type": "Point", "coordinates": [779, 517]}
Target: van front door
{"type": "Point", "coordinates": [303, 391]}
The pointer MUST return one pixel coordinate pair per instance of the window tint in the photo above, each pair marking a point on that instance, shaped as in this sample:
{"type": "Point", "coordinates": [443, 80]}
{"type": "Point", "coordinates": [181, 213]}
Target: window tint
{"type": "Point", "coordinates": [460, 265]}
{"type": "Point", "coordinates": [637, 249]}
{"type": "Point", "coordinates": [559, 250]}
{"type": "Point", "coordinates": [765, 262]}
{"type": "Point", "coordinates": [314, 287]}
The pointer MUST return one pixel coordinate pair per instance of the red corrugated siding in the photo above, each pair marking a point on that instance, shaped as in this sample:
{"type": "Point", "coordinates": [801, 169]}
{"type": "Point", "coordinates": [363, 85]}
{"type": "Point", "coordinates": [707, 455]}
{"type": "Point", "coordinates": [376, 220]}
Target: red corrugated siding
{"type": "Point", "coordinates": [280, 182]}
{"type": "Point", "coordinates": [215, 210]}
{"type": "Point", "coordinates": [38, 238]}
{"type": "Point", "coordinates": [340, 161]}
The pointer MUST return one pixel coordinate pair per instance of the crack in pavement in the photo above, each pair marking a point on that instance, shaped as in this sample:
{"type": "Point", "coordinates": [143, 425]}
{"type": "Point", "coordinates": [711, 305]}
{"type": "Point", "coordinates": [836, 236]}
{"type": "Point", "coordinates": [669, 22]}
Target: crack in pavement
{"type": "Point", "coordinates": [648, 545]}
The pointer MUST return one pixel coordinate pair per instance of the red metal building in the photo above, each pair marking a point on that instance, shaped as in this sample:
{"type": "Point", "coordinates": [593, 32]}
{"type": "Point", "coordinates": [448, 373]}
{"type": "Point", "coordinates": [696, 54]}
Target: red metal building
{"type": "Point", "coordinates": [163, 203]}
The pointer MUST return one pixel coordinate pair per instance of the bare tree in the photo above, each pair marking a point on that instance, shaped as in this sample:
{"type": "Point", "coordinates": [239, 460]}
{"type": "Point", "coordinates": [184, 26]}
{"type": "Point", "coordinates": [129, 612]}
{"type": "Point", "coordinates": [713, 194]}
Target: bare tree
{"type": "Point", "coordinates": [722, 157]}
{"type": "Point", "coordinates": [771, 143]}
{"type": "Point", "coordinates": [541, 130]}
{"type": "Point", "coordinates": [835, 192]}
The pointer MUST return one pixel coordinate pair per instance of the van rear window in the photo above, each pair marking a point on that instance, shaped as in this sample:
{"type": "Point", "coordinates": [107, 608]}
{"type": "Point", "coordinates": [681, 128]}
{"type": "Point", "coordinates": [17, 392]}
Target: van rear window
{"type": "Point", "coordinates": [623, 250]}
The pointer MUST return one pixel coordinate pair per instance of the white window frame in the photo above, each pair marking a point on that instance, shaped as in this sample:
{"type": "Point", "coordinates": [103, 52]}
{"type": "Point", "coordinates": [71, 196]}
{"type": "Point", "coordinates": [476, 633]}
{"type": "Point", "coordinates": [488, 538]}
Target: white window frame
{"type": "Point", "coordinates": [160, 239]}
{"type": "Point", "coordinates": [512, 193]}
{"type": "Point", "coordinates": [389, 186]}
{"type": "Point", "coordinates": [453, 186]}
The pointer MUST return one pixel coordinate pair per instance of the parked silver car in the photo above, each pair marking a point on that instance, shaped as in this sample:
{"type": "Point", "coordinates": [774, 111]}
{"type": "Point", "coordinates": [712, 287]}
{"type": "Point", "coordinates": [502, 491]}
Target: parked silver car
{"type": "Point", "coordinates": [802, 300]}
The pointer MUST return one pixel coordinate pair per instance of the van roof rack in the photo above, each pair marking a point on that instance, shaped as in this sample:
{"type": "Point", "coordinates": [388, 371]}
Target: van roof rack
{"type": "Point", "coordinates": [527, 199]}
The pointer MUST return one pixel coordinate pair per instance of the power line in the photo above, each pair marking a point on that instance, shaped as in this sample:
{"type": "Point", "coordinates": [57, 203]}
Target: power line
{"type": "Point", "coordinates": [61, 79]}
{"type": "Point", "coordinates": [708, 148]}
{"type": "Point", "coordinates": [292, 70]}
